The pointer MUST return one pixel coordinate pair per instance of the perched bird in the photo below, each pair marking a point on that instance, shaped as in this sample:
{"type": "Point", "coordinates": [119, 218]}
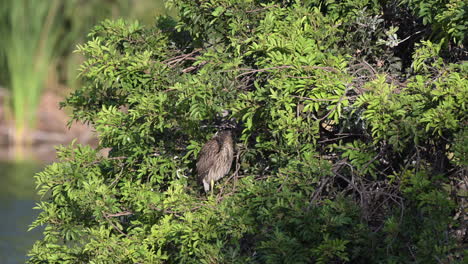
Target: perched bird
{"type": "Point", "coordinates": [215, 158]}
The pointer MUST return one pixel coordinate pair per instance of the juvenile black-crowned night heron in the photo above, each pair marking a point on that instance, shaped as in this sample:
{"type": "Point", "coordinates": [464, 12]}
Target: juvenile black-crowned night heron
{"type": "Point", "coordinates": [215, 158]}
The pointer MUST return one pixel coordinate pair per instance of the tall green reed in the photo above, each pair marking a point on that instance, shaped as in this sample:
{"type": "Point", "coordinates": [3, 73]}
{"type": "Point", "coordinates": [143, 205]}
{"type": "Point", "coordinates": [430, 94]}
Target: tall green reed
{"type": "Point", "coordinates": [34, 34]}
{"type": "Point", "coordinates": [29, 34]}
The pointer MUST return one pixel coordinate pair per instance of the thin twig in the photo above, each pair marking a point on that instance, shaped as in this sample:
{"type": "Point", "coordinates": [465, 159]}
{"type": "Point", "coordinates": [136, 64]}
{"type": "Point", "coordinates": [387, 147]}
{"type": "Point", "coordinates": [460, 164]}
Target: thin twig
{"type": "Point", "coordinates": [332, 139]}
{"type": "Point", "coordinates": [261, 9]}
{"type": "Point", "coordinates": [219, 197]}
{"type": "Point", "coordinates": [114, 226]}
{"type": "Point", "coordinates": [181, 57]}
{"type": "Point", "coordinates": [119, 214]}
{"type": "Point", "coordinates": [166, 211]}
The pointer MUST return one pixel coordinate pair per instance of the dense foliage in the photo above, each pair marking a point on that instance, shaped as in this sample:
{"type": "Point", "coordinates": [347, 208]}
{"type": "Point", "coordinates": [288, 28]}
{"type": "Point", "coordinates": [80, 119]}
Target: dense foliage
{"type": "Point", "coordinates": [352, 144]}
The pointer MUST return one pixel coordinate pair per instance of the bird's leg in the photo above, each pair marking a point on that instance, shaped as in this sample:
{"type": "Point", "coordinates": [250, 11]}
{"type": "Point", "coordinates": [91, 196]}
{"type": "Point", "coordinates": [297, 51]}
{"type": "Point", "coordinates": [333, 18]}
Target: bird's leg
{"type": "Point", "coordinates": [206, 186]}
{"type": "Point", "coordinates": [212, 185]}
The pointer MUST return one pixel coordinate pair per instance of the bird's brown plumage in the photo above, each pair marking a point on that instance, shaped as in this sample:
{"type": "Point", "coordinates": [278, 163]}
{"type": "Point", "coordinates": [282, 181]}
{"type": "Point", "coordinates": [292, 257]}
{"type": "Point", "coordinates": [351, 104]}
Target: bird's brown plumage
{"type": "Point", "coordinates": [215, 158]}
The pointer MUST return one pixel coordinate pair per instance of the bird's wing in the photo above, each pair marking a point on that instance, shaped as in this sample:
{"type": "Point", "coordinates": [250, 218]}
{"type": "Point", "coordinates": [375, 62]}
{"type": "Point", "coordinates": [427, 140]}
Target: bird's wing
{"type": "Point", "coordinates": [206, 157]}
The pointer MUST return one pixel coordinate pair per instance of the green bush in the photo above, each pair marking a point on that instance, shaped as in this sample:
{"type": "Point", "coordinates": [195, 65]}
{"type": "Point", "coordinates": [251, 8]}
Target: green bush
{"type": "Point", "coordinates": [448, 18]}
{"type": "Point", "coordinates": [339, 159]}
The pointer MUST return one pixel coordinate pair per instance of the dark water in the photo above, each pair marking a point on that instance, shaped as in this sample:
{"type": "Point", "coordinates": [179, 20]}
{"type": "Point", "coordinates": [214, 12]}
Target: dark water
{"type": "Point", "coordinates": [17, 198]}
